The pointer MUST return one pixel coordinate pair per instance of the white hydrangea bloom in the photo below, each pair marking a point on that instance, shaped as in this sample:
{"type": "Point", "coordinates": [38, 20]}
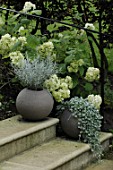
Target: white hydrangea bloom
{"type": "Point", "coordinates": [6, 43]}
{"type": "Point", "coordinates": [74, 65]}
{"type": "Point", "coordinates": [21, 29]}
{"type": "Point", "coordinates": [89, 26]}
{"type": "Point", "coordinates": [82, 31]}
{"type": "Point", "coordinates": [53, 83]}
{"type": "Point", "coordinates": [80, 62]}
{"type": "Point", "coordinates": [14, 40]}
{"type": "Point", "coordinates": [23, 40]}
{"type": "Point", "coordinates": [91, 98]}
{"type": "Point", "coordinates": [55, 77]}
{"type": "Point", "coordinates": [0, 104]}
{"type": "Point", "coordinates": [92, 74]}
{"type": "Point", "coordinates": [46, 49]}
{"type": "Point", "coordinates": [49, 44]}
{"type": "Point", "coordinates": [57, 95]}
{"type": "Point", "coordinates": [96, 100]}
{"type": "Point", "coordinates": [64, 86]}
{"type": "Point", "coordinates": [61, 94]}
{"type": "Point", "coordinates": [59, 87]}
{"type": "Point", "coordinates": [28, 6]}
{"type": "Point", "coordinates": [60, 35]}
{"type": "Point", "coordinates": [65, 93]}
{"type": "Point", "coordinates": [17, 58]}
{"type": "Point", "coordinates": [69, 81]}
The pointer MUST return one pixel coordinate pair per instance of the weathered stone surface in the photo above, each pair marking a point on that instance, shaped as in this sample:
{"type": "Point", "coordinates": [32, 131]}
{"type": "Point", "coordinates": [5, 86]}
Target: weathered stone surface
{"type": "Point", "coordinates": [42, 151]}
{"type": "Point", "coordinates": [57, 154]}
{"type": "Point", "coordinates": [103, 165]}
{"type": "Point", "coordinates": [17, 135]}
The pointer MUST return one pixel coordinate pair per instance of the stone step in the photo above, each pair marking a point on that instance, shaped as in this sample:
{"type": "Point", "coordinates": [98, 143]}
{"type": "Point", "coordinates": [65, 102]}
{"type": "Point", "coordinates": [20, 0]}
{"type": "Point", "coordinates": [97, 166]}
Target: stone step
{"type": "Point", "coordinates": [17, 135]}
{"type": "Point", "coordinates": [101, 165]}
{"type": "Point", "coordinates": [57, 154]}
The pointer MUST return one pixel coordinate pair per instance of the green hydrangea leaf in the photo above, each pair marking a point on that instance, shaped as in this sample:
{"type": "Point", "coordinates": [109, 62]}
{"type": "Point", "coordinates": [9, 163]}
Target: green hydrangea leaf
{"type": "Point", "coordinates": [62, 68]}
{"type": "Point", "coordinates": [25, 21]}
{"type": "Point", "coordinates": [81, 70]}
{"type": "Point", "coordinates": [32, 41]}
{"type": "Point", "coordinates": [88, 87]}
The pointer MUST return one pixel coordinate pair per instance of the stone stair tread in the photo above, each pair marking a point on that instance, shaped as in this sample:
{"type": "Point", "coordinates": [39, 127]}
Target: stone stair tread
{"type": "Point", "coordinates": [15, 127]}
{"type": "Point", "coordinates": [101, 165]}
{"type": "Point", "coordinates": [15, 166]}
{"type": "Point", "coordinates": [51, 155]}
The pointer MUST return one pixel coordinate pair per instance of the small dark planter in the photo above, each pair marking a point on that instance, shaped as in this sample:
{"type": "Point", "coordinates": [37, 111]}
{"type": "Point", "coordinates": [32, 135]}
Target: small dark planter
{"type": "Point", "coordinates": [34, 105]}
{"type": "Point", "coordinates": [69, 124]}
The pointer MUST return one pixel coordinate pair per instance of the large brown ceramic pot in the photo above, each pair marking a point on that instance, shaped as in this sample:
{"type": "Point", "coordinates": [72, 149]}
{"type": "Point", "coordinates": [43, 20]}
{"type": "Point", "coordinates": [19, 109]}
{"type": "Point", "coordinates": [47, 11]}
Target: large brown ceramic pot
{"type": "Point", "coordinates": [69, 124]}
{"type": "Point", "coordinates": [34, 105]}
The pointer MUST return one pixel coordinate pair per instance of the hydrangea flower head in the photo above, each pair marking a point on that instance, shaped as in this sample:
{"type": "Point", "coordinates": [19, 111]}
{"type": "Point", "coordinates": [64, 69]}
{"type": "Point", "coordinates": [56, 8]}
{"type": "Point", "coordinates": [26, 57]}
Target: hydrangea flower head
{"type": "Point", "coordinates": [46, 49]}
{"type": "Point", "coordinates": [22, 40]}
{"type": "Point", "coordinates": [28, 6]}
{"type": "Point", "coordinates": [74, 66]}
{"type": "Point", "coordinates": [21, 29]}
{"type": "Point", "coordinates": [6, 43]}
{"type": "Point", "coordinates": [89, 26]}
{"type": "Point", "coordinates": [60, 35]}
{"type": "Point", "coordinates": [96, 100]}
{"type": "Point", "coordinates": [59, 87]}
{"type": "Point", "coordinates": [92, 74]}
{"type": "Point", "coordinates": [17, 58]}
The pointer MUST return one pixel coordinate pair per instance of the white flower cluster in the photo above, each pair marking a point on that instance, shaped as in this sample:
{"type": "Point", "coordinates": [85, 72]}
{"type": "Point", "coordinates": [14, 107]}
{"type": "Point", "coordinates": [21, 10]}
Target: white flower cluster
{"type": "Point", "coordinates": [46, 49]}
{"type": "Point", "coordinates": [82, 31]}
{"type": "Point", "coordinates": [74, 66]}
{"type": "Point", "coordinates": [59, 87]}
{"type": "Point", "coordinates": [60, 35]}
{"type": "Point", "coordinates": [28, 6]}
{"type": "Point", "coordinates": [95, 100]}
{"type": "Point", "coordinates": [17, 58]}
{"type": "Point", "coordinates": [21, 29]}
{"type": "Point", "coordinates": [6, 43]}
{"type": "Point", "coordinates": [92, 74]}
{"type": "Point", "coordinates": [0, 104]}
{"type": "Point", "coordinates": [89, 26]}
{"type": "Point", "coordinates": [22, 40]}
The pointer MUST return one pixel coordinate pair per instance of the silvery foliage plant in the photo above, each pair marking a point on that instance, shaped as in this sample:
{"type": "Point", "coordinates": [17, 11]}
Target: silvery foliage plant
{"type": "Point", "coordinates": [33, 73]}
{"type": "Point", "coordinates": [89, 121]}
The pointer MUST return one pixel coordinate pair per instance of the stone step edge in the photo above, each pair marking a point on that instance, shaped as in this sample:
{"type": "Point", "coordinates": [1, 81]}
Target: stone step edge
{"type": "Point", "coordinates": [46, 124]}
{"type": "Point", "coordinates": [68, 158]}
{"type": "Point", "coordinates": [103, 137]}
{"type": "Point", "coordinates": [82, 157]}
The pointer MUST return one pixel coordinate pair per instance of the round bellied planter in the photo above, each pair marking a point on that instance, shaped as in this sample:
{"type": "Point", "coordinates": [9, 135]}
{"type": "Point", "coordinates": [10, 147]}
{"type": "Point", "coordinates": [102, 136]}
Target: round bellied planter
{"type": "Point", "coordinates": [69, 124]}
{"type": "Point", "coordinates": [34, 104]}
